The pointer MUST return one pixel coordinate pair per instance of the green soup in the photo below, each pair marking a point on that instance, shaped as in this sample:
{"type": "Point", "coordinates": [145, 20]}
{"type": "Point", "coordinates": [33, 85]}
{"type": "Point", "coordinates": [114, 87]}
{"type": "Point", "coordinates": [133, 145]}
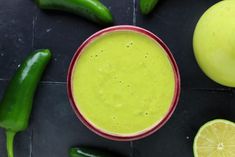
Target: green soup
{"type": "Point", "coordinates": [123, 83]}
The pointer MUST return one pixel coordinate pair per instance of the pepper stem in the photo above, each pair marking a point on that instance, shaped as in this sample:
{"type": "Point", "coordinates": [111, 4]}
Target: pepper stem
{"type": "Point", "coordinates": [10, 142]}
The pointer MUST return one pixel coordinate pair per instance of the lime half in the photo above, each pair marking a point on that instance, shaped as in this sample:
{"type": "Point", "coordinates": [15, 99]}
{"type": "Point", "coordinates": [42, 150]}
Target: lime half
{"type": "Point", "coordinates": [215, 139]}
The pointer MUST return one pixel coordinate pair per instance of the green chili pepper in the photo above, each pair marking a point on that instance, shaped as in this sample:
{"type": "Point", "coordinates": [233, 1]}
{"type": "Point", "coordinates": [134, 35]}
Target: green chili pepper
{"type": "Point", "coordinates": [16, 105]}
{"type": "Point", "coordinates": [93, 10]}
{"type": "Point", "coordinates": [91, 152]}
{"type": "Point", "coordinates": [146, 6]}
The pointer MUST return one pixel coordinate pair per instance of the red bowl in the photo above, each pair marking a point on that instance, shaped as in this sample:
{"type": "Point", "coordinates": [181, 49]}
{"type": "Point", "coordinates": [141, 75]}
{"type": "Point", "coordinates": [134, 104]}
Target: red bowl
{"type": "Point", "coordinates": [122, 137]}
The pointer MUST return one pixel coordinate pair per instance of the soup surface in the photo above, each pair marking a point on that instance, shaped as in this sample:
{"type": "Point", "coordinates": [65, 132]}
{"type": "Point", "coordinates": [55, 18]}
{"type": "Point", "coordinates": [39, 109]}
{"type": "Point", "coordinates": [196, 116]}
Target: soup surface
{"type": "Point", "coordinates": [123, 82]}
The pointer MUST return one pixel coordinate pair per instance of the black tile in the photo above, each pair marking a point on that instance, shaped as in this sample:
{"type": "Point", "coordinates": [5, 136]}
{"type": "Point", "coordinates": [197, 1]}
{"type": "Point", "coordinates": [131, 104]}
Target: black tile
{"type": "Point", "coordinates": [174, 22]}
{"type": "Point", "coordinates": [232, 107]}
{"type": "Point", "coordinates": [194, 109]}
{"type": "Point", "coordinates": [122, 11]}
{"type": "Point", "coordinates": [56, 128]}
{"type": "Point", "coordinates": [2, 134]}
{"type": "Point", "coordinates": [16, 34]}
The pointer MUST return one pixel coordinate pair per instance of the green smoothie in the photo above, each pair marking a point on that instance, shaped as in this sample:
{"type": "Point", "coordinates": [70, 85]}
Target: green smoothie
{"type": "Point", "coordinates": [123, 83]}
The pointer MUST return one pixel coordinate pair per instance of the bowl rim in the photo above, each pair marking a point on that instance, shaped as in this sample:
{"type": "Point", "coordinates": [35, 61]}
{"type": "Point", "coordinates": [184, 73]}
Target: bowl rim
{"type": "Point", "coordinates": [155, 127]}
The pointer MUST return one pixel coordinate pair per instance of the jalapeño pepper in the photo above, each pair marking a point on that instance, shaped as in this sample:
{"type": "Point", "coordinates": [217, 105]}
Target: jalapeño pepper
{"type": "Point", "coordinates": [146, 6]}
{"type": "Point", "coordinates": [93, 10]}
{"type": "Point", "coordinates": [16, 104]}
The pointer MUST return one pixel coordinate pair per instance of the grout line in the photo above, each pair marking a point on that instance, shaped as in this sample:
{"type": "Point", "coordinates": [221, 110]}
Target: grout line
{"type": "Point", "coordinates": [134, 12]}
{"type": "Point", "coordinates": [2, 79]}
{"type": "Point", "coordinates": [230, 90]}
{"type": "Point", "coordinates": [31, 144]}
{"type": "Point", "coordinates": [54, 82]}
{"type": "Point", "coordinates": [43, 82]}
{"type": "Point", "coordinates": [132, 153]}
{"type": "Point", "coordinates": [33, 30]}
{"type": "Point", "coordinates": [213, 89]}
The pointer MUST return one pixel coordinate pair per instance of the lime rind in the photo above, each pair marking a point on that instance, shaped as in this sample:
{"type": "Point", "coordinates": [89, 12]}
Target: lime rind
{"type": "Point", "coordinates": [207, 125]}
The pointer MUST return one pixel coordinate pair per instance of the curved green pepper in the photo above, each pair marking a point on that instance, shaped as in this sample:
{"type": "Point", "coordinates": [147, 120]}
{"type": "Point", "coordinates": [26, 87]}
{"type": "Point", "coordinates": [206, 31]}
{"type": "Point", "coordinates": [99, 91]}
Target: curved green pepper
{"type": "Point", "coordinates": [93, 10]}
{"type": "Point", "coordinates": [16, 105]}
{"type": "Point", "coordinates": [90, 152]}
{"type": "Point", "coordinates": [146, 6]}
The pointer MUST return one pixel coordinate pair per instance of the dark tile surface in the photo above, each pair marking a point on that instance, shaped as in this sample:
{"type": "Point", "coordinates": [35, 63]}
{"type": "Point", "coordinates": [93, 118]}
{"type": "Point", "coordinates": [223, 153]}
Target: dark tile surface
{"type": "Point", "coordinates": [2, 135]}
{"type": "Point", "coordinates": [232, 107]}
{"type": "Point", "coordinates": [54, 127]}
{"type": "Point", "coordinates": [195, 108]}
{"type": "Point", "coordinates": [122, 10]}
{"type": "Point", "coordinates": [15, 34]}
